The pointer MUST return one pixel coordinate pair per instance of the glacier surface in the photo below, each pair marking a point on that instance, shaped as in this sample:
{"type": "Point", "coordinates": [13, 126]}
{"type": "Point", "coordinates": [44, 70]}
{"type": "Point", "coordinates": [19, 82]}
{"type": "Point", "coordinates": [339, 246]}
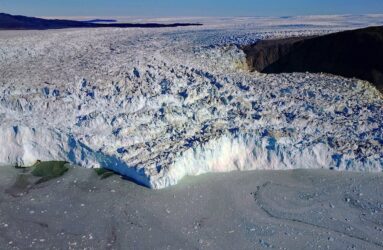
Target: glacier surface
{"type": "Point", "coordinates": [156, 105]}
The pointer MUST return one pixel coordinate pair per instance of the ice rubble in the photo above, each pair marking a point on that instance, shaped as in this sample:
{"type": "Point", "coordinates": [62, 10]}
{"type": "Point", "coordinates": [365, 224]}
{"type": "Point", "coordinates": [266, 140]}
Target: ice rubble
{"type": "Point", "coordinates": [156, 105]}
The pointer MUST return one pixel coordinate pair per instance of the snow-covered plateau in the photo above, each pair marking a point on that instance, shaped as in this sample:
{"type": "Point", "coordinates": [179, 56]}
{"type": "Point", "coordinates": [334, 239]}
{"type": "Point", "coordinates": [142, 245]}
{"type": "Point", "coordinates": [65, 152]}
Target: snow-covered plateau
{"type": "Point", "coordinates": [156, 105]}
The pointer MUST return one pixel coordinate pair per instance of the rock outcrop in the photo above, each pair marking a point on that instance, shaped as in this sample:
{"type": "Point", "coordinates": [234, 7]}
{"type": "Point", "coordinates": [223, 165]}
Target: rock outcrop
{"type": "Point", "coordinates": [354, 53]}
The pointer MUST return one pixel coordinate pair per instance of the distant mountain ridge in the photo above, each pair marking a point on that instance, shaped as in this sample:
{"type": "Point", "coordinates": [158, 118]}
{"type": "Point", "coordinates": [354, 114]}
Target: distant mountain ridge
{"type": "Point", "coordinates": [17, 22]}
{"type": "Point", "coordinates": [100, 21]}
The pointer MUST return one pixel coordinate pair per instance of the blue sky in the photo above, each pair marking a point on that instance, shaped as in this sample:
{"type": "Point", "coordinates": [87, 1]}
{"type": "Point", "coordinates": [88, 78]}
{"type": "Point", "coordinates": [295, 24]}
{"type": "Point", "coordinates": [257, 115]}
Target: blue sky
{"type": "Point", "coordinates": [188, 8]}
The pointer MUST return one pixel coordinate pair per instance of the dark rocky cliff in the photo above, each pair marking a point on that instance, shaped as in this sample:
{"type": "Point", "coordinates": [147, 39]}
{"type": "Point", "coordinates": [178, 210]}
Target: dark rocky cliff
{"type": "Point", "coordinates": [355, 53]}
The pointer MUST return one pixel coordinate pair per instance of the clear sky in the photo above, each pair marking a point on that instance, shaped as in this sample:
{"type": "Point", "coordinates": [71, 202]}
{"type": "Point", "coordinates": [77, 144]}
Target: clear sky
{"type": "Point", "coordinates": [188, 7]}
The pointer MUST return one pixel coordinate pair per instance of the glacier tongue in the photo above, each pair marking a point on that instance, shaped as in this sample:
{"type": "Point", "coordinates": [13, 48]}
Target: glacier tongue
{"type": "Point", "coordinates": [156, 105]}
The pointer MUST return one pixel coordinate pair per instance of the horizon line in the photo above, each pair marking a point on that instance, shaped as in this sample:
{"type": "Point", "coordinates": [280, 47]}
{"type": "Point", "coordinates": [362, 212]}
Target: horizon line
{"type": "Point", "coordinates": [194, 16]}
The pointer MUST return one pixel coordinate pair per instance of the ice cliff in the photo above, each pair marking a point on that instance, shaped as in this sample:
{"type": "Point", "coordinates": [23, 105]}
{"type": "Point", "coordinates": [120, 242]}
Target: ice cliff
{"type": "Point", "coordinates": [156, 105]}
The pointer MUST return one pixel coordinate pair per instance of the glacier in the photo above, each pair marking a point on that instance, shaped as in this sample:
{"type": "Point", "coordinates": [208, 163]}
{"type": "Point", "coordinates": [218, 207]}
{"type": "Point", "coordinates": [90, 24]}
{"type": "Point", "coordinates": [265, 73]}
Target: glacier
{"type": "Point", "coordinates": [156, 105]}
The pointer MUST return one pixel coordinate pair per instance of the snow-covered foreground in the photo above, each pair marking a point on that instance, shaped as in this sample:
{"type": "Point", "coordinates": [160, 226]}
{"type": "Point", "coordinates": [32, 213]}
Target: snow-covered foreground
{"type": "Point", "coordinates": [297, 209]}
{"type": "Point", "coordinates": [158, 104]}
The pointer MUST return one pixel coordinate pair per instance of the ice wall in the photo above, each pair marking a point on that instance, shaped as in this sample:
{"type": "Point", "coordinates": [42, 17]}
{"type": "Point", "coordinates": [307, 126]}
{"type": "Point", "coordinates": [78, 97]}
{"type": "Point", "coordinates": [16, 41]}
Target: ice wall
{"type": "Point", "coordinates": [156, 105]}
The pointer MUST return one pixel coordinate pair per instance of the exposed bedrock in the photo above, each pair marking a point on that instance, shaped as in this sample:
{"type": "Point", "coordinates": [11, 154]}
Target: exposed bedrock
{"type": "Point", "coordinates": [355, 53]}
